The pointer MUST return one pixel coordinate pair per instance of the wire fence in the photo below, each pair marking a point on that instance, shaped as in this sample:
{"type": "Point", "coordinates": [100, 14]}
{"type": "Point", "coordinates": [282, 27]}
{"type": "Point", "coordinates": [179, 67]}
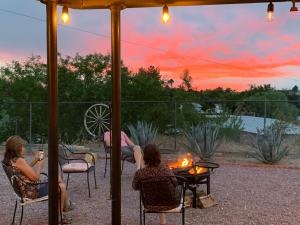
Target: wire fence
{"type": "Point", "coordinates": [29, 119]}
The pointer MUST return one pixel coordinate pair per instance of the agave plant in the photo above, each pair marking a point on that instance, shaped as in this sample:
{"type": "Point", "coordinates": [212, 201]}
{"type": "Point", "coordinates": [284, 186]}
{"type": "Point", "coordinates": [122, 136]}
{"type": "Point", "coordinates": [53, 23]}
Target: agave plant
{"type": "Point", "coordinates": [202, 139]}
{"type": "Point", "coordinates": [268, 144]}
{"type": "Point", "coordinates": [143, 133]}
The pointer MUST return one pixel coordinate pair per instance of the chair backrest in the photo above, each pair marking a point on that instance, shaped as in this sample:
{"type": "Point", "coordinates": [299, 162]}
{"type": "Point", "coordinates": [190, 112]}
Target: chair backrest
{"type": "Point", "coordinates": [13, 179]}
{"type": "Point", "coordinates": [62, 155]}
{"type": "Point", "coordinates": [160, 191]}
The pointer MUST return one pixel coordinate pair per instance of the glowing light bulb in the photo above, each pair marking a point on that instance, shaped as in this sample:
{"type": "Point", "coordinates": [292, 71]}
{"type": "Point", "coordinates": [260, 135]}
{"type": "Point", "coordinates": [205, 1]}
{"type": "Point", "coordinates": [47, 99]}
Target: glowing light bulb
{"type": "Point", "coordinates": [165, 14]}
{"type": "Point", "coordinates": [270, 11]}
{"type": "Point", "coordinates": [65, 15]}
{"type": "Point", "coordinates": [270, 16]}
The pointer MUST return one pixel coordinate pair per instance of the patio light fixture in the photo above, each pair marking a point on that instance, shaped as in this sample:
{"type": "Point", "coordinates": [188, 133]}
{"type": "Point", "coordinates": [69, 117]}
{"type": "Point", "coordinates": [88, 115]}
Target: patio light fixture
{"type": "Point", "coordinates": [65, 15]}
{"type": "Point", "coordinates": [270, 11]}
{"type": "Point", "coordinates": [294, 8]}
{"type": "Point", "coordinates": [165, 14]}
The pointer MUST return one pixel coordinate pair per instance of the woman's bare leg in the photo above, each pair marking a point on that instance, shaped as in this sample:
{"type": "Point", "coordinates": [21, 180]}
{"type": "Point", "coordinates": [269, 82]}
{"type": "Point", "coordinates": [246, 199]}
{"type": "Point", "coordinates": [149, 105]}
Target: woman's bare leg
{"type": "Point", "coordinates": [138, 156]}
{"type": "Point", "coordinates": [162, 218]}
{"type": "Point", "coordinates": [63, 195]}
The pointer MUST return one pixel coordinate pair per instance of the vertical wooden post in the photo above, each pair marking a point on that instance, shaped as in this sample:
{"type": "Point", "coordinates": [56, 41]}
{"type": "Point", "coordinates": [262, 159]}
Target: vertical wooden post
{"type": "Point", "coordinates": [52, 111]}
{"type": "Point", "coordinates": [116, 113]}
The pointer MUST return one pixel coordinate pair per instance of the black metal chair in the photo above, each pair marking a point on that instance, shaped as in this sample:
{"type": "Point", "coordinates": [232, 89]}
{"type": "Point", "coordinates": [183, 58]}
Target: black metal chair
{"type": "Point", "coordinates": [107, 150]}
{"type": "Point", "coordinates": [74, 162]}
{"type": "Point", "coordinates": [15, 179]}
{"type": "Point", "coordinates": [159, 192]}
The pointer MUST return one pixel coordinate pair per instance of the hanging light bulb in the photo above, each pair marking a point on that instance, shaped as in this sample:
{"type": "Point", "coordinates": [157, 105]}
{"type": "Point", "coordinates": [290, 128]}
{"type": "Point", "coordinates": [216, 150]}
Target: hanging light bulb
{"type": "Point", "coordinates": [294, 8]}
{"type": "Point", "coordinates": [270, 11]}
{"type": "Point", "coordinates": [65, 14]}
{"type": "Point", "coordinates": [165, 14]}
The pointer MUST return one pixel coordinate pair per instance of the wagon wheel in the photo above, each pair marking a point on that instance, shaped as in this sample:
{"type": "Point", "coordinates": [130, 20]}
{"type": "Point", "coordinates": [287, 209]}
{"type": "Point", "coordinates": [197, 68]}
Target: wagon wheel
{"type": "Point", "coordinates": [97, 119]}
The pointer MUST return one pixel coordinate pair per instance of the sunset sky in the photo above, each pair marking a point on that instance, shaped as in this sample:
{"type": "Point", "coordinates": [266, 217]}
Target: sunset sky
{"type": "Point", "coordinates": [229, 46]}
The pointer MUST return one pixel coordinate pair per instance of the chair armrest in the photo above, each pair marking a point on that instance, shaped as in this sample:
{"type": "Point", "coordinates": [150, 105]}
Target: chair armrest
{"type": "Point", "coordinates": [46, 175]}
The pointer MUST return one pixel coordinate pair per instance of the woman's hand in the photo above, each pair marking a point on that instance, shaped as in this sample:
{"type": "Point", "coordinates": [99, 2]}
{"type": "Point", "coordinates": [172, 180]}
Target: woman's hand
{"type": "Point", "coordinates": [35, 159]}
{"type": "Point", "coordinates": [41, 163]}
{"type": "Point", "coordinates": [36, 156]}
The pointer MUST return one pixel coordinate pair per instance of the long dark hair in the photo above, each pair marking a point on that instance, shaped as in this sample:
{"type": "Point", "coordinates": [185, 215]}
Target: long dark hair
{"type": "Point", "coordinates": [152, 156]}
{"type": "Point", "coordinates": [13, 149]}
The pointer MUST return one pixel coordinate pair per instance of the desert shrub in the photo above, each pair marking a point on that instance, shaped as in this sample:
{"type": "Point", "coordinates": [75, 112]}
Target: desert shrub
{"type": "Point", "coordinates": [202, 139]}
{"type": "Point", "coordinates": [231, 128]}
{"type": "Point", "coordinates": [142, 133]}
{"type": "Point", "coordinates": [268, 143]}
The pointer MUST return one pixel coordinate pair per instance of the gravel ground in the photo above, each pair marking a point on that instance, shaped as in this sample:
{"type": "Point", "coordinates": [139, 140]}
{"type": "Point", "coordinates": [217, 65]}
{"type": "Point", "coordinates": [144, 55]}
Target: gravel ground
{"type": "Point", "coordinates": [245, 195]}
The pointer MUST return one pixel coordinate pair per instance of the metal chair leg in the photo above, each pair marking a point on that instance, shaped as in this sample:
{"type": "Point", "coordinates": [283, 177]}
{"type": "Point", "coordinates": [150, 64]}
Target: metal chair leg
{"type": "Point", "coordinates": [105, 165]}
{"type": "Point", "coordinates": [144, 215]}
{"type": "Point", "coordinates": [183, 217]}
{"type": "Point", "coordinates": [16, 205]}
{"type": "Point", "coordinates": [95, 178]}
{"type": "Point", "coordinates": [141, 210]}
{"type": "Point", "coordinates": [60, 208]}
{"type": "Point", "coordinates": [122, 166]}
{"type": "Point", "coordinates": [88, 181]}
{"type": "Point", "coordinates": [21, 215]}
{"type": "Point", "coordinates": [67, 181]}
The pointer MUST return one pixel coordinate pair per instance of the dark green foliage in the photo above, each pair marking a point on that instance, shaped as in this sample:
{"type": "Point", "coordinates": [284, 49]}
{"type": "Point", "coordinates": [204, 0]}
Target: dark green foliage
{"type": "Point", "coordinates": [86, 80]}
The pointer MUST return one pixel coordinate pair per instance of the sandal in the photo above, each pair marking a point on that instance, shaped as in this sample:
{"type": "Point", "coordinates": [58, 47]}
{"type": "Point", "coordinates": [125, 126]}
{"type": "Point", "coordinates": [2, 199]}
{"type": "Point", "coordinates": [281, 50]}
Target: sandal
{"type": "Point", "coordinates": [66, 220]}
{"type": "Point", "coordinates": [69, 207]}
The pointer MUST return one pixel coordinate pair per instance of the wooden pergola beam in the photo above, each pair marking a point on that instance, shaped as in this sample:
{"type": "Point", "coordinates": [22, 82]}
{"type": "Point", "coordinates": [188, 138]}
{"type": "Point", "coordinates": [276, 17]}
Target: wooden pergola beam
{"type": "Point", "coordinates": [106, 4]}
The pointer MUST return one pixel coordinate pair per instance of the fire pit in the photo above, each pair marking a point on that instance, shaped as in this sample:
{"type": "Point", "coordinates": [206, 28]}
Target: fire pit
{"type": "Point", "coordinates": [195, 173]}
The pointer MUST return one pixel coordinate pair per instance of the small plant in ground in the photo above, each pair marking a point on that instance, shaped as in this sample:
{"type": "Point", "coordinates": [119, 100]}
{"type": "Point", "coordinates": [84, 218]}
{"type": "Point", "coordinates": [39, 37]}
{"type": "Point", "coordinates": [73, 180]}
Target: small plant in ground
{"type": "Point", "coordinates": [143, 133]}
{"type": "Point", "coordinates": [231, 129]}
{"type": "Point", "coordinates": [202, 139]}
{"type": "Point", "coordinates": [268, 143]}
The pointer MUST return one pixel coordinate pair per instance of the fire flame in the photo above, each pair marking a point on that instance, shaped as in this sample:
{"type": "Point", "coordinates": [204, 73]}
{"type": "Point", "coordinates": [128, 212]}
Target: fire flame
{"type": "Point", "coordinates": [185, 162]}
{"type": "Point", "coordinates": [198, 170]}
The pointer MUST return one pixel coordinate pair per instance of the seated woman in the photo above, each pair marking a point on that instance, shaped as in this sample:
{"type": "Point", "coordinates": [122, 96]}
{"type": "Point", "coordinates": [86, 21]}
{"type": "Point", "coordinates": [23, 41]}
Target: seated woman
{"type": "Point", "coordinates": [130, 152]}
{"type": "Point", "coordinates": [14, 158]}
{"type": "Point", "coordinates": [154, 169]}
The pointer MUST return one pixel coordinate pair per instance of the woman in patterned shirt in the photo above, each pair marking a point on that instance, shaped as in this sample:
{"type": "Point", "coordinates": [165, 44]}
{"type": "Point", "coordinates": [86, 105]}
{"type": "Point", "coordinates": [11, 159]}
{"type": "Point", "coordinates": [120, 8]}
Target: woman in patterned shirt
{"type": "Point", "coordinates": [154, 169]}
{"type": "Point", "coordinates": [14, 159]}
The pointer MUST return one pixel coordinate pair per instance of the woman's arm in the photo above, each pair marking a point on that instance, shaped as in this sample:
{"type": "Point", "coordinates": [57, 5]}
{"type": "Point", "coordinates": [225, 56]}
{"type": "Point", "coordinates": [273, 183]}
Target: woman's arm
{"type": "Point", "coordinates": [35, 160]}
{"type": "Point", "coordinates": [26, 169]}
{"type": "Point", "coordinates": [127, 140]}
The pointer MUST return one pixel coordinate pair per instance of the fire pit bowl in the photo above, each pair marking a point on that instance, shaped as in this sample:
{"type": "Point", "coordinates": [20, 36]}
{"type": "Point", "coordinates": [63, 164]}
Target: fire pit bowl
{"type": "Point", "coordinates": [195, 174]}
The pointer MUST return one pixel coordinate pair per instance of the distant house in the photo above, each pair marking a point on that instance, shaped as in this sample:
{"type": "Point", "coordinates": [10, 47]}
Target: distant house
{"type": "Point", "coordinates": [252, 123]}
{"type": "Point", "coordinates": [218, 109]}
{"type": "Point", "coordinates": [198, 107]}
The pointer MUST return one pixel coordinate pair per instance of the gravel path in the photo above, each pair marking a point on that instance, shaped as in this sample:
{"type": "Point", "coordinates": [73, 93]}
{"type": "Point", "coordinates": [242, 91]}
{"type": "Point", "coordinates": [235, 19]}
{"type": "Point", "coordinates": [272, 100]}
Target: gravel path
{"type": "Point", "coordinates": [246, 196]}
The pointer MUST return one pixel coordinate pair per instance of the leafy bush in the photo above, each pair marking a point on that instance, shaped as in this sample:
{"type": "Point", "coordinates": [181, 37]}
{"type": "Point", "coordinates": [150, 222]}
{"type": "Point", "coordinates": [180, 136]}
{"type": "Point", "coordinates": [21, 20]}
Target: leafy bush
{"type": "Point", "coordinates": [232, 128]}
{"type": "Point", "coordinates": [143, 133]}
{"type": "Point", "coordinates": [268, 143]}
{"type": "Point", "coordinates": [202, 139]}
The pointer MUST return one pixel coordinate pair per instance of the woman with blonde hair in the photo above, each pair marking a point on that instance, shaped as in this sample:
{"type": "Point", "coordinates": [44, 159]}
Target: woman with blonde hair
{"type": "Point", "coordinates": [14, 159]}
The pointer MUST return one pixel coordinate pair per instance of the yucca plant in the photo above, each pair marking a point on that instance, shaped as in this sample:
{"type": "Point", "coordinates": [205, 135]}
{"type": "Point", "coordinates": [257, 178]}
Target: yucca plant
{"type": "Point", "coordinates": [143, 133]}
{"type": "Point", "coordinates": [202, 139]}
{"type": "Point", "coordinates": [268, 144]}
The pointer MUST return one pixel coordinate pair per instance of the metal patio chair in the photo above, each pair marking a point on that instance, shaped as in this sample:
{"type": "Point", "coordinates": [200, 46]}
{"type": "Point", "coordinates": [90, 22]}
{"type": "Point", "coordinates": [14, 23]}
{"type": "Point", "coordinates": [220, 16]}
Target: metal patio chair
{"type": "Point", "coordinates": [14, 180]}
{"type": "Point", "coordinates": [157, 192]}
{"type": "Point", "coordinates": [107, 150]}
{"type": "Point", "coordinates": [74, 162]}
